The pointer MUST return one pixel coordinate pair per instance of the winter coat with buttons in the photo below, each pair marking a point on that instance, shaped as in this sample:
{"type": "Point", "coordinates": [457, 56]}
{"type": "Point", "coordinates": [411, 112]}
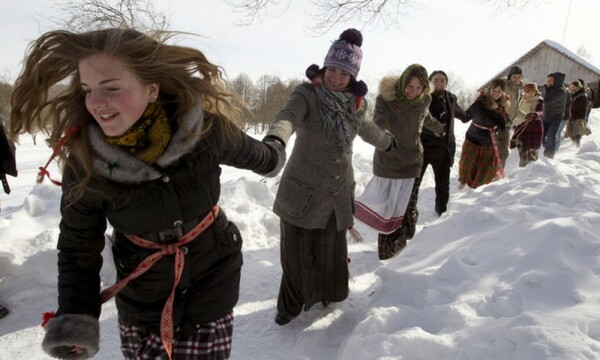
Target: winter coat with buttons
{"type": "Point", "coordinates": [141, 199]}
{"type": "Point", "coordinates": [405, 121]}
{"type": "Point", "coordinates": [318, 179]}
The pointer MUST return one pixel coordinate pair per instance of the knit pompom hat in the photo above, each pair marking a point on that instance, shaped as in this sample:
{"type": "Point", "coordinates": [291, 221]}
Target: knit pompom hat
{"type": "Point", "coordinates": [345, 53]}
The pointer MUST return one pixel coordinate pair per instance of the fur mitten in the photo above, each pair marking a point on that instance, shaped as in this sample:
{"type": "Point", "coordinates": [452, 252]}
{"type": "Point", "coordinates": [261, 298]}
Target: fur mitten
{"type": "Point", "coordinates": [67, 331]}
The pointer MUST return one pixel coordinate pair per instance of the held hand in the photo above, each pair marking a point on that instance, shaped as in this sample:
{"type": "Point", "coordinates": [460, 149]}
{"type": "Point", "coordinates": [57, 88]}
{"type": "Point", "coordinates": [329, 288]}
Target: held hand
{"type": "Point", "coordinates": [393, 145]}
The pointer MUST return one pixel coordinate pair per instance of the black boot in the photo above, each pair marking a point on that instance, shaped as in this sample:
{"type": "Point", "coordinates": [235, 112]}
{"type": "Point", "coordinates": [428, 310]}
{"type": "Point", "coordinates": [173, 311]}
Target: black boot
{"type": "Point", "coordinates": [281, 319]}
{"type": "Point", "coordinates": [385, 246]}
{"type": "Point", "coordinates": [391, 244]}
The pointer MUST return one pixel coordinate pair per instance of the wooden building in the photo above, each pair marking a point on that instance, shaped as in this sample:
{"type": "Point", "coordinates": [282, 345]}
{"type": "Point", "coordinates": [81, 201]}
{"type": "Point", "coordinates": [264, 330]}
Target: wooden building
{"type": "Point", "coordinates": [548, 57]}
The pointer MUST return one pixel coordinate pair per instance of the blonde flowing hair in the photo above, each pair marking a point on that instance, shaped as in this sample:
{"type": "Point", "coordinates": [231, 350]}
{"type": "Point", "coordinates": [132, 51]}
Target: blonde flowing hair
{"type": "Point", "coordinates": [185, 76]}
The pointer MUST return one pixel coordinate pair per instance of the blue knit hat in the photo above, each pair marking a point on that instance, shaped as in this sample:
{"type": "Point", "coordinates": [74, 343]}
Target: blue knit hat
{"type": "Point", "coordinates": [345, 53]}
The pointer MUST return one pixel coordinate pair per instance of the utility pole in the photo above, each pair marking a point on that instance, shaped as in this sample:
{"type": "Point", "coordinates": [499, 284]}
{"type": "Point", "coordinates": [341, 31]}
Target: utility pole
{"type": "Point", "coordinates": [566, 22]}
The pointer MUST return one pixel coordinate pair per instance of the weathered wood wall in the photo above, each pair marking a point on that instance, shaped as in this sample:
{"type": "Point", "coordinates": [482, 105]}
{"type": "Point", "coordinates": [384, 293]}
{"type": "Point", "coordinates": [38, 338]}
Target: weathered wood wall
{"type": "Point", "coordinates": [547, 60]}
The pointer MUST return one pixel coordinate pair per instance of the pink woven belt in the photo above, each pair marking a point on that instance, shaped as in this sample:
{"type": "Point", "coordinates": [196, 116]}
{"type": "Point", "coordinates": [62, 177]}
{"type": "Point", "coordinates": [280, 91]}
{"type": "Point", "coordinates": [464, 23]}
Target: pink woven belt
{"type": "Point", "coordinates": [166, 319]}
{"type": "Point", "coordinates": [499, 167]}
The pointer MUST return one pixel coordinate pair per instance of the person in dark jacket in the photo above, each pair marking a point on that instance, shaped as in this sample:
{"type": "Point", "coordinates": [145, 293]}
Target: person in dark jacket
{"type": "Point", "coordinates": [590, 96]}
{"type": "Point", "coordinates": [438, 151]}
{"type": "Point", "coordinates": [480, 162]}
{"type": "Point", "coordinates": [8, 166]}
{"type": "Point", "coordinates": [146, 125]}
{"type": "Point", "coordinates": [555, 104]}
{"type": "Point", "coordinates": [315, 198]}
{"type": "Point", "coordinates": [576, 127]}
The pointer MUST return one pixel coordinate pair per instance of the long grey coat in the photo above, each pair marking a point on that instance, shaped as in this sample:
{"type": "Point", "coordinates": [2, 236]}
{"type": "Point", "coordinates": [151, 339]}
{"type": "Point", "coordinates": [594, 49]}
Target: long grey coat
{"type": "Point", "coordinates": [318, 179]}
{"type": "Point", "coordinates": [405, 121]}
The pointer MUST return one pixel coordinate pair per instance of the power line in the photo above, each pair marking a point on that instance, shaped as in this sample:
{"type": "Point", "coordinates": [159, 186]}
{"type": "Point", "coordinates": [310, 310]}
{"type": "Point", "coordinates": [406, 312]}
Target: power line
{"type": "Point", "coordinates": [566, 22]}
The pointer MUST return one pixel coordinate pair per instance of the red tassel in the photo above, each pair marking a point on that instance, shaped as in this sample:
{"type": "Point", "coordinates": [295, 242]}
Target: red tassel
{"type": "Point", "coordinates": [47, 316]}
{"type": "Point", "coordinates": [44, 169]}
{"type": "Point", "coordinates": [358, 101]}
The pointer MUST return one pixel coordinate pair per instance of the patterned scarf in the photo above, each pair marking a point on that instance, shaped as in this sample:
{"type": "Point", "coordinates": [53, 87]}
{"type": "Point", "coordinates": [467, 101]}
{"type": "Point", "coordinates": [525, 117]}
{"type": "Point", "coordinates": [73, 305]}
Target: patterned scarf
{"type": "Point", "coordinates": [337, 110]}
{"type": "Point", "coordinates": [148, 137]}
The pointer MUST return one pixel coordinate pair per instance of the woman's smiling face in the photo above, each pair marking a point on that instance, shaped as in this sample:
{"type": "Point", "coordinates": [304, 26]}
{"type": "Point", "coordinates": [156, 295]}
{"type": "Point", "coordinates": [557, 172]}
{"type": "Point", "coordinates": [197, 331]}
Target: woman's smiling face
{"type": "Point", "coordinates": [114, 96]}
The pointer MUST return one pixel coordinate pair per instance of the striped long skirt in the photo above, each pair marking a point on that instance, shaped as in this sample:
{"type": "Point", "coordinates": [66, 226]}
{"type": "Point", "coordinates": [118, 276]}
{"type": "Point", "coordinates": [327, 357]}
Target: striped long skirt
{"type": "Point", "coordinates": [477, 164]}
{"type": "Point", "coordinates": [315, 267]}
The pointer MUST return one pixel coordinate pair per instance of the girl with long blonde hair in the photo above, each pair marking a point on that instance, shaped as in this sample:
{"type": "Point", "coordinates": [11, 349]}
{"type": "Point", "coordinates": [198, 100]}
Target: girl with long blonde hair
{"type": "Point", "coordinates": [140, 130]}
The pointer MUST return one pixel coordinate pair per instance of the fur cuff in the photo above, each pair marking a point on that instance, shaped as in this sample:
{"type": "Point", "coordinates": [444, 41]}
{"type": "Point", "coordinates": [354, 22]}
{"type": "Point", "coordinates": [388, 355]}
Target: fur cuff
{"type": "Point", "coordinates": [68, 330]}
{"type": "Point", "coordinates": [279, 147]}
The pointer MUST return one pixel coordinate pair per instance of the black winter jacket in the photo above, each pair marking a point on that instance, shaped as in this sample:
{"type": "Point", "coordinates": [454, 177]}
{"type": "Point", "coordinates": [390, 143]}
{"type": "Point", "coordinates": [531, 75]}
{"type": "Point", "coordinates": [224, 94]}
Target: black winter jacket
{"type": "Point", "coordinates": [579, 105]}
{"type": "Point", "coordinates": [142, 200]}
{"type": "Point", "coordinates": [444, 108]}
{"type": "Point", "coordinates": [555, 99]}
{"type": "Point", "coordinates": [484, 118]}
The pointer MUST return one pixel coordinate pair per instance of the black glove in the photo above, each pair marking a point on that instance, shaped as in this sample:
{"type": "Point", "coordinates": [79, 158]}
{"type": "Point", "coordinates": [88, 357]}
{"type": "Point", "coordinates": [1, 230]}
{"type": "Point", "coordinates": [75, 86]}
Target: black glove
{"type": "Point", "coordinates": [279, 146]}
{"type": "Point", "coordinates": [393, 145]}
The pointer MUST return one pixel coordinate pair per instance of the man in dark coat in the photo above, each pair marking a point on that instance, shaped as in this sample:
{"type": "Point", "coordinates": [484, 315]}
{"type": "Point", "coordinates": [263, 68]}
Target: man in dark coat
{"type": "Point", "coordinates": [7, 167]}
{"type": "Point", "coordinates": [555, 98]}
{"type": "Point", "coordinates": [439, 151]}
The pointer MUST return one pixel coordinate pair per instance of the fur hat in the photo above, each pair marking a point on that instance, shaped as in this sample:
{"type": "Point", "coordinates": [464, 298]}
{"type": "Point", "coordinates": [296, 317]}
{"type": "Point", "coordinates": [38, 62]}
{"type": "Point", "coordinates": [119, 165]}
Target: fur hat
{"type": "Point", "coordinates": [514, 70]}
{"type": "Point", "coordinates": [530, 86]}
{"type": "Point", "coordinates": [345, 53]}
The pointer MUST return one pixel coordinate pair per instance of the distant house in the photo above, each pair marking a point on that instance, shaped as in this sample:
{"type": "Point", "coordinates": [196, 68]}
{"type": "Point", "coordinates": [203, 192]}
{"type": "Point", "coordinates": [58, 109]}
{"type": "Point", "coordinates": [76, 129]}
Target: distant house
{"type": "Point", "coordinates": [548, 57]}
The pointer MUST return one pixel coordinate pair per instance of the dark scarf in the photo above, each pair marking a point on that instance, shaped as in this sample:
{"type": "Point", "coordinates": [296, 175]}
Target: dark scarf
{"type": "Point", "coordinates": [337, 111]}
{"type": "Point", "coordinates": [148, 137]}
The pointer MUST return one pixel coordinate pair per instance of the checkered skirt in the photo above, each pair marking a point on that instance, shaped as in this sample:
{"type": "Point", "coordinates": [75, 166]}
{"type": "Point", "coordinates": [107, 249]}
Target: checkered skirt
{"type": "Point", "coordinates": [211, 341]}
{"type": "Point", "coordinates": [477, 164]}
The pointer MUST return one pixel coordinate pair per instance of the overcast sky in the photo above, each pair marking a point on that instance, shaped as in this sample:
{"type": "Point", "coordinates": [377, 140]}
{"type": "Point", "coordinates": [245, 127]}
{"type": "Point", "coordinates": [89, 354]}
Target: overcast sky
{"type": "Point", "coordinates": [463, 37]}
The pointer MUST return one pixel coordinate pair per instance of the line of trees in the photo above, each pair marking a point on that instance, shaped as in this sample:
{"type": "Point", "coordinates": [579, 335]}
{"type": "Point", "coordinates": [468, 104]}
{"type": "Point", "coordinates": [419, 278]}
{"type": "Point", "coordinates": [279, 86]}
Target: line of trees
{"type": "Point", "coordinates": [265, 98]}
{"type": "Point", "coordinates": [262, 99]}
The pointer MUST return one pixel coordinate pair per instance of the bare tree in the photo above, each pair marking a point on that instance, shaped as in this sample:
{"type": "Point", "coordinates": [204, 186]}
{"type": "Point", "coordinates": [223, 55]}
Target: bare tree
{"type": "Point", "coordinates": [244, 87]}
{"type": "Point", "coordinates": [329, 13]}
{"type": "Point", "coordinates": [272, 95]}
{"type": "Point", "coordinates": [257, 10]}
{"type": "Point", "coordinates": [81, 15]}
{"type": "Point", "coordinates": [464, 95]}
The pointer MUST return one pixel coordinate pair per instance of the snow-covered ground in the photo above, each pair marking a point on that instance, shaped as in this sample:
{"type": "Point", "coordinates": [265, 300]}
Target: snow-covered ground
{"type": "Point", "coordinates": [511, 271]}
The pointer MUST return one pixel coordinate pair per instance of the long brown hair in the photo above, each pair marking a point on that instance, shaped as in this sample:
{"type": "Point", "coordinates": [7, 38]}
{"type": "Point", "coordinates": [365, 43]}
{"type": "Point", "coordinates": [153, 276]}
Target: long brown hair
{"type": "Point", "coordinates": [185, 76]}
